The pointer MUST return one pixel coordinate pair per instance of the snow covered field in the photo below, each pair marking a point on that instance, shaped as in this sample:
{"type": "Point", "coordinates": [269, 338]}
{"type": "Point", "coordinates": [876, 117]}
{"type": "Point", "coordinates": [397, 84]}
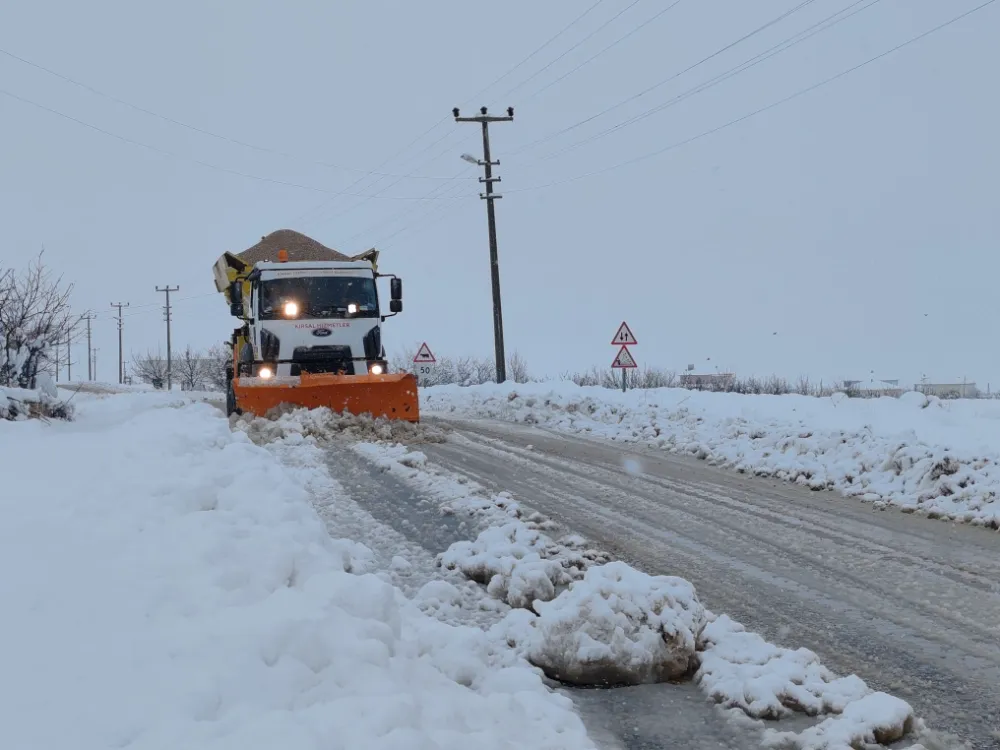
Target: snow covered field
{"type": "Point", "coordinates": [170, 585]}
{"type": "Point", "coordinates": [924, 455]}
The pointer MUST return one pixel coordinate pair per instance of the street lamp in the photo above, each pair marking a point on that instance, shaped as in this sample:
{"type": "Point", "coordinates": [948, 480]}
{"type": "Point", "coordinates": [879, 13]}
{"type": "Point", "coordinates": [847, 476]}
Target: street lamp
{"type": "Point", "coordinates": [471, 159]}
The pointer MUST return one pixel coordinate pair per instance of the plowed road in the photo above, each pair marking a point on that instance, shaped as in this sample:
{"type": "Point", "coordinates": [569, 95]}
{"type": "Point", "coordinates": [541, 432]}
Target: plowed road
{"type": "Point", "coordinates": [909, 604]}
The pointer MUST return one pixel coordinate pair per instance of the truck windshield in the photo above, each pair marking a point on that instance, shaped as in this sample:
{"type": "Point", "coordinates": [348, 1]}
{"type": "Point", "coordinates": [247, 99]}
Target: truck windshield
{"type": "Point", "coordinates": [319, 297]}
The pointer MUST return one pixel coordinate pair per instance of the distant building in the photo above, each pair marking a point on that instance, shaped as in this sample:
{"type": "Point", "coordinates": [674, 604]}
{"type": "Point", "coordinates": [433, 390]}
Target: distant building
{"type": "Point", "coordinates": [949, 390]}
{"type": "Point", "coordinates": [874, 388]}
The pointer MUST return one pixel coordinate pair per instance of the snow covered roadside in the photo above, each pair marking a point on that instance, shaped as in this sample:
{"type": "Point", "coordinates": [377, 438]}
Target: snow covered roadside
{"type": "Point", "coordinates": [21, 403]}
{"type": "Point", "coordinates": [924, 455]}
{"type": "Point", "coordinates": [171, 585]}
{"type": "Point", "coordinates": [585, 620]}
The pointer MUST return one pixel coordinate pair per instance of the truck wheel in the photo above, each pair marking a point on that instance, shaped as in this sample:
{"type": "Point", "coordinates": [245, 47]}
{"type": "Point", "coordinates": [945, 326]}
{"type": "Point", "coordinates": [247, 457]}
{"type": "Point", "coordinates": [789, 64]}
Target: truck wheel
{"type": "Point", "coordinates": [231, 407]}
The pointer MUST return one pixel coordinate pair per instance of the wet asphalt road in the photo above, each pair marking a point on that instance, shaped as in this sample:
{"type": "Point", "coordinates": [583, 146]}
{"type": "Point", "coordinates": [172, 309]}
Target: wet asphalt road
{"type": "Point", "coordinates": [909, 604]}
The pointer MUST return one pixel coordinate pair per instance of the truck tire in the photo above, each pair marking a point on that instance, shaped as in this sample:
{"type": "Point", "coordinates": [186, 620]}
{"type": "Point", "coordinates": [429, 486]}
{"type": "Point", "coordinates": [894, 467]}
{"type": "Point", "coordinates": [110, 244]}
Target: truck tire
{"type": "Point", "coordinates": [231, 407]}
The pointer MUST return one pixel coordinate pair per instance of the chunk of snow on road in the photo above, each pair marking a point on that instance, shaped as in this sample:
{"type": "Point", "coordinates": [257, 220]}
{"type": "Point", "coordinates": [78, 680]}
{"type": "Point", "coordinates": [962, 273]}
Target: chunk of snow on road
{"type": "Point", "coordinates": [176, 588]}
{"type": "Point", "coordinates": [918, 453]}
{"type": "Point", "coordinates": [742, 670]}
{"type": "Point", "coordinates": [877, 718]}
{"type": "Point", "coordinates": [517, 564]}
{"type": "Point", "coordinates": [618, 626]}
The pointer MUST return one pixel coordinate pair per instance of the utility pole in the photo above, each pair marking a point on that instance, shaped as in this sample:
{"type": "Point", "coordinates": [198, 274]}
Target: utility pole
{"type": "Point", "coordinates": [121, 355]}
{"type": "Point", "coordinates": [166, 316]}
{"type": "Point", "coordinates": [489, 196]}
{"type": "Point", "coordinates": [96, 350]}
{"type": "Point", "coordinates": [90, 369]}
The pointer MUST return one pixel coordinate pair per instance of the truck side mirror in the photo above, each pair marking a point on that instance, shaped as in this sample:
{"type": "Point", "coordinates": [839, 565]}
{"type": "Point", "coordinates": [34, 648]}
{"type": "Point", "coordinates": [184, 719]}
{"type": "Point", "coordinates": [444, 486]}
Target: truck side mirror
{"type": "Point", "coordinates": [236, 292]}
{"type": "Point", "coordinates": [396, 290]}
{"type": "Point", "coordinates": [396, 305]}
{"type": "Point", "coordinates": [236, 309]}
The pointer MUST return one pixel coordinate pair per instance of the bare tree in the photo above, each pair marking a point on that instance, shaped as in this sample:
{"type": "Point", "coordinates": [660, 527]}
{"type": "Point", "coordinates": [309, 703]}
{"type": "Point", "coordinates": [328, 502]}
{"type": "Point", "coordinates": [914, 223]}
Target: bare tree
{"type": "Point", "coordinates": [150, 368]}
{"type": "Point", "coordinates": [34, 316]}
{"type": "Point", "coordinates": [191, 369]}
{"type": "Point", "coordinates": [217, 360]}
{"type": "Point", "coordinates": [517, 368]}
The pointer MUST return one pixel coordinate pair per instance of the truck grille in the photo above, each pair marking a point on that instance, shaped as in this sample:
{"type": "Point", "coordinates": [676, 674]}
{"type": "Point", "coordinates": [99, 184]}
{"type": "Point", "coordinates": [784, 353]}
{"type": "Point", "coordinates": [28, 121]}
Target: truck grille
{"type": "Point", "coordinates": [319, 359]}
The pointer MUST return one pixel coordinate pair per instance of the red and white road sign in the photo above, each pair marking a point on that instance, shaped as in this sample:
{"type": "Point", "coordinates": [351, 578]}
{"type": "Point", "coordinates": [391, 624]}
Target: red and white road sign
{"type": "Point", "coordinates": [624, 360]}
{"type": "Point", "coordinates": [424, 355]}
{"type": "Point", "coordinates": [624, 337]}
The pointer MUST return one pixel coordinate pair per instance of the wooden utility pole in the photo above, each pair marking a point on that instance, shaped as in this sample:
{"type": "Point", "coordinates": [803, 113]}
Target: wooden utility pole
{"type": "Point", "coordinates": [121, 355]}
{"type": "Point", "coordinates": [166, 316]}
{"type": "Point", "coordinates": [489, 196]}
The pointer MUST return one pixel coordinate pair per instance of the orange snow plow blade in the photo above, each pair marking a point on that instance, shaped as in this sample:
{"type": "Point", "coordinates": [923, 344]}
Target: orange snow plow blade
{"type": "Point", "coordinates": [392, 395]}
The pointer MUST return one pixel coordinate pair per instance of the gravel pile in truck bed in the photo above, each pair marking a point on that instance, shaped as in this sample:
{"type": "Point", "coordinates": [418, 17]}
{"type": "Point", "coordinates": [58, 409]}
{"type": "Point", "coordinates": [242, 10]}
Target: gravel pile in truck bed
{"type": "Point", "coordinates": [299, 248]}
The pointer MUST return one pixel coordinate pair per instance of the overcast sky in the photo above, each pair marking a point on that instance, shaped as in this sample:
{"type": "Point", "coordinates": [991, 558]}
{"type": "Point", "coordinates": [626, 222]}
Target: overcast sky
{"type": "Point", "coordinates": [853, 228]}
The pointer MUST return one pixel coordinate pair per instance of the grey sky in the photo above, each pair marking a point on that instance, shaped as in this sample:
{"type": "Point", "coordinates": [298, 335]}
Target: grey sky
{"type": "Point", "coordinates": [858, 221]}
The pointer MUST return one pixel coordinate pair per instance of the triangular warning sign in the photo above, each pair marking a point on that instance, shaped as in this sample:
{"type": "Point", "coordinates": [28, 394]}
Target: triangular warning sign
{"type": "Point", "coordinates": [424, 355]}
{"type": "Point", "coordinates": [624, 360]}
{"type": "Point", "coordinates": [624, 337]}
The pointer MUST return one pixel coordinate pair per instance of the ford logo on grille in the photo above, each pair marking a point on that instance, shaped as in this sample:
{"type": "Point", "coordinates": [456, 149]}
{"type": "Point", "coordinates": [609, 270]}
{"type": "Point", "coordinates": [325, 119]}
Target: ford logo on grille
{"type": "Point", "coordinates": [321, 331]}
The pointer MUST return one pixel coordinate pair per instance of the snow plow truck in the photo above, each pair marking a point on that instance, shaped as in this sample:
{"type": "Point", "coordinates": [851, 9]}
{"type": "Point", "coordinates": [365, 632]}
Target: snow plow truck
{"type": "Point", "coordinates": [311, 332]}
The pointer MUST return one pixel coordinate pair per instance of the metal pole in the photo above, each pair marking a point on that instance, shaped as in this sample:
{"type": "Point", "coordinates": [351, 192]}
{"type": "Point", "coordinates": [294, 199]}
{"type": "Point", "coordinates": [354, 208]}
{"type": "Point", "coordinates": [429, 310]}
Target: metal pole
{"type": "Point", "coordinates": [624, 379]}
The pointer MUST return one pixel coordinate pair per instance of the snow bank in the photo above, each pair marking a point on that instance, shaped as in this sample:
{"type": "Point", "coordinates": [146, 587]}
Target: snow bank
{"type": "Point", "coordinates": [876, 718]}
{"type": "Point", "coordinates": [742, 670]}
{"type": "Point", "coordinates": [21, 403]}
{"type": "Point", "coordinates": [512, 556]}
{"type": "Point", "coordinates": [176, 588]}
{"type": "Point", "coordinates": [939, 458]}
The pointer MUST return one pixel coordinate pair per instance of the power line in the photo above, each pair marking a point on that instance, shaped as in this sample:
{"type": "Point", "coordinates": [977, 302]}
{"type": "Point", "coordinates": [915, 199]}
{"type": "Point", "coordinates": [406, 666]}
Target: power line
{"type": "Point", "coordinates": [560, 57]}
{"type": "Point", "coordinates": [382, 224]}
{"type": "Point", "coordinates": [545, 44]}
{"type": "Point", "coordinates": [193, 160]}
{"type": "Point", "coordinates": [613, 44]}
{"type": "Point", "coordinates": [664, 81]}
{"type": "Point", "coordinates": [783, 46]}
{"type": "Point", "coordinates": [323, 204]}
{"type": "Point", "coordinates": [196, 129]}
{"type": "Point", "coordinates": [772, 105]}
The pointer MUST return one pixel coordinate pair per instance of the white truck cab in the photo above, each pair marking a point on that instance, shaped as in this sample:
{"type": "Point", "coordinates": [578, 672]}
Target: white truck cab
{"type": "Point", "coordinates": [311, 317]}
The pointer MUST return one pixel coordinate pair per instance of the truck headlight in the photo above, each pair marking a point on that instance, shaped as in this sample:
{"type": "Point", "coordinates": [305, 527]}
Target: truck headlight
{"type": "Point", "coordinates": [265, 372]}
{"type": "Point", "coordinates": [376, 369]}
{"type": "Point", "coordinates": [291, 309]}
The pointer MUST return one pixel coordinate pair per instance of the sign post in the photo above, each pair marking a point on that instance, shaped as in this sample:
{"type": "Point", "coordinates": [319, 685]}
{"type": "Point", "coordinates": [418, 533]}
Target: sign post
{"type": "Point", "coordinates": [624, 361]}
{"type": "Point", "coordinates": [423, 364]}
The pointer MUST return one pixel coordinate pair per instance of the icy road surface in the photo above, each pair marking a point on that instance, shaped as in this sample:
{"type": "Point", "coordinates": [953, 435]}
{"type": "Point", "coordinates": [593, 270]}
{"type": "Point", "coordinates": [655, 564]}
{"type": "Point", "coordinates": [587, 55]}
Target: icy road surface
{"type": "Point", "coordinates": [650, 717]}
{"type": "Point", "coordinates": [911, 606]}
